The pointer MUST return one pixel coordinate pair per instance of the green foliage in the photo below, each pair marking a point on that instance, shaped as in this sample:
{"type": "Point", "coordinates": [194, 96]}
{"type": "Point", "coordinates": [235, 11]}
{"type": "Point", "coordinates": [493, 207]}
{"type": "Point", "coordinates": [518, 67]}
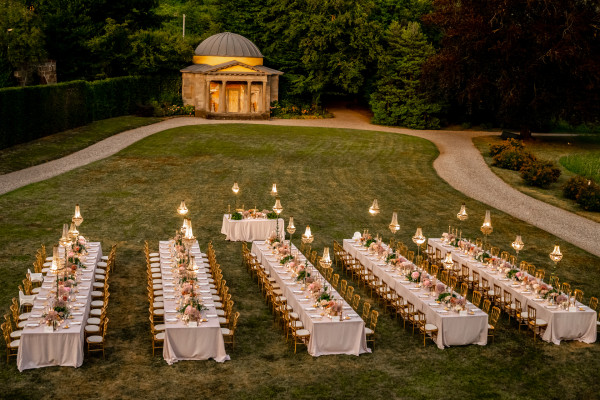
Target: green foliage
{"type": "Point", "coordinates": [272, 215]}
{"type": "Point", "coordinates": [589, 197]}
{"type": "Point", "coordinates": [324, 48]}
{"type": "Point", "coordinates": [31, 112]}
{"type": "Point", "coordinates": [513, 158]}
{"type": "Point", "coordinates": [496, 149]}
{"type": "Point", "coordinates": [398, 98]}
{"type": "Point", "coordinates": [520, 63]}
{"type": "Point", "coordinates": [573, 187]}
{"type": "Point", "coordinates": [237, 216]}
{"type": "Point", "coordinates": [287, 110]}
{"type": "Point", "coordinates": [587, 165]}
{"type": "Point", "coordinates": [541, 173]}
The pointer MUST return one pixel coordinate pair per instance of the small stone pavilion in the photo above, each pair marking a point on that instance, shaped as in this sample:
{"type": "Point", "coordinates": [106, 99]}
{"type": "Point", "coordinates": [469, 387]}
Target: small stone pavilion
{"type": "Point", "coordinates": [228, 79]}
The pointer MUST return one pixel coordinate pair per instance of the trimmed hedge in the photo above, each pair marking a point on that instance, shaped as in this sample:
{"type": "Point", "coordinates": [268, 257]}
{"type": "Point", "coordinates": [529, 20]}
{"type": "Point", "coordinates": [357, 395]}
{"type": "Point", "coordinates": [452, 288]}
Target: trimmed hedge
{"type": "Point", "coordinates": [31, 112]}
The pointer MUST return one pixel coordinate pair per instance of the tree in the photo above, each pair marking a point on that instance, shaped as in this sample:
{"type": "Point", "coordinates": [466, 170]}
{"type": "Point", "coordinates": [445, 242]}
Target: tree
{"type": "Point", "coordinates": [323, 47]}
{"type": "Point", "coordinates": [398, 98]}
{"type": "Point", "coordinates": [22, 40]}
{"type": "Point", "coordinates": [523, 63]}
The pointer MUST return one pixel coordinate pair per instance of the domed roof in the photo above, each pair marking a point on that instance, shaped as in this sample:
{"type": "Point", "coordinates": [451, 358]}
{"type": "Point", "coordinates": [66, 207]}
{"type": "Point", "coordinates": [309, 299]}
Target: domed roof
{"type": "Point", "coordinates": [228, 44]}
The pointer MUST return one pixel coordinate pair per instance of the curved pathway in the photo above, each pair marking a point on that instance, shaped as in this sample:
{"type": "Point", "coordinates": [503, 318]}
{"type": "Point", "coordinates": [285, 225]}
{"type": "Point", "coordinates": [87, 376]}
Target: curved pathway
{"type": "Point", "coordinates": [459, 163]}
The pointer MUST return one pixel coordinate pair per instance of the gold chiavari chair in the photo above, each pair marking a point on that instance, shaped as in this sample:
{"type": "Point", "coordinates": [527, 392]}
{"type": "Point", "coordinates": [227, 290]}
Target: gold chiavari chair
{"type": "Point", "coordinates": [475, 280]}
{"type": "Point", "coordinates": [494, 251]}
{"type": "Point", "coordinates": [477, 296]}
{"type": "Point", "coordinates": [343, 286]}
{"type": "Point", "coordinates": [371, 329]}
{"type": "Point", "coordinates": [540, 274]}
{"type": "Point", "coordinates": [535, 323]}
{"type": "Point", "coordinates": [486, 306]}
{"type": "Point", "coordinates": [313, 258]}
{"type": "Point", "coordinates": [496, 296]}
{"type": "Point", "coordinates": [453, 283]}
{"type": "Point", "coordinates": [565, 287]}
{"type": "Point", "coordinates": [426, 329]}
{"type": "Point", "coordinates": [531, 269]}
{"type": "Point", "coordinates": [444, 276]}
{"type": "Point", "coordinates": [356, 302]}
{"type": "Point", "coordinates": [504, 255]}
{"type": "Point", "coordinates": [365, 311]}
{"type": "Point", "coordinates": [494, 317]}
{"type": "Point", "coordinates": [554, 281]}
{"type": "Point", "coordinates": [512, 260]}
{"type": "Point", "coordinates": [520, 315]}
{"type": "Point", "coordinates": [508, 305]}
{"type": "Point", "coordinates": [485, 288]}
{"type": "Point", "coordinates": [578, 293]}
{"type": "Point", "coordinates": [410, 256]}
{"type": "Point", "coordinates": [96, 342]}
{"type": "Point", "coordinates": [434, 270]}
{"type": "Point", "coordinates": [594, 303]}
{"type": "Point", "coordinates": [349, 293]}
{"type": "Point", "coordinates": [464, 289]}
{"type": "Point", "coordinates": [12, 346]}
{"type": "Point", "coordinates": [229, 333]}
{"type": "Point", "coordinates": [158, 336]}
{"type": "Point", "coordinates": [329, 273]}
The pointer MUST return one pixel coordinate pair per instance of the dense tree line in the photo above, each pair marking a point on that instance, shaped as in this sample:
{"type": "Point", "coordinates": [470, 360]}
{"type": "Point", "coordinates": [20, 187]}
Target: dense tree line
{"type": "Point", "coordinates": [417, 63]}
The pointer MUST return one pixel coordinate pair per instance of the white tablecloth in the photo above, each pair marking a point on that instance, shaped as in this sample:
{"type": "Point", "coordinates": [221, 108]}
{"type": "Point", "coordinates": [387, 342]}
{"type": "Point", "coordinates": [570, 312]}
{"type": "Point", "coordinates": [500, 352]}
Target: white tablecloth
{"type": "Point", "coordinates": [248, 230]}
{"type": "Point", "coordinates": [63, 347]}
{"type": "Point", "coordinates": [327, 336]}
{"type": "Point", "coordinates": [562, 324]}
{"type": "Point", "coordinates": [453, 329]}
{"type": "Point", "coordinates": [183, 342]}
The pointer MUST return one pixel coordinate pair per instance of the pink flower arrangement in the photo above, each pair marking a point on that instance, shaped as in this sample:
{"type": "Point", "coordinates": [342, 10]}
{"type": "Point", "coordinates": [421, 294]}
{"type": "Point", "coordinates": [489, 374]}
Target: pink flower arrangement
{"type": "Point", "coordinates": [192, 313]}
{"type": "Point", "coordinates": [51, 316]}
{"type": "Point", "coordinates": [186, 288]}
{"type": "Point", "coordinates": [415, 275]}
{"type": "Point", "coordinates": [440, 287]}
{"type": "Point", "coordinates": [561, 298]}
{"type": "Point", "coordinates": [64, 290]}
{"type": "Point", "coordinates": [315, 287]}
{"type": "Point", "coordinates": [426, 283]}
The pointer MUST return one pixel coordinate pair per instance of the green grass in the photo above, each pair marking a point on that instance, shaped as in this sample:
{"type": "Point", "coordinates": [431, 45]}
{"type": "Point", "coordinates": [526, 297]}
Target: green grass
{"type": "Point", "coordinates": [587, 165]}
{"type": "Point", "coordinates": [64, 143]}
{"type": "Point", "coordinates": [583, 150]}
{"type": "Point", "coordinates": [327, 178]}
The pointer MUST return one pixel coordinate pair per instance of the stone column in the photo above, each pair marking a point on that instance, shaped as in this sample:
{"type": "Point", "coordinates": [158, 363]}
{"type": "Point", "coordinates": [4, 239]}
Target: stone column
{"type": "Point", "coordinates": [266, 96]}
{"type": "Point", "coordinates": [222, 97]}
{"type": "Point", "coordinates": [249, 97]}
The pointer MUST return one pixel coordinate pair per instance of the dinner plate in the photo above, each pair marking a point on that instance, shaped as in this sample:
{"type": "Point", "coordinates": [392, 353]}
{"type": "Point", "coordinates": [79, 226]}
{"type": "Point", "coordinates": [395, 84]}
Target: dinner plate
{"type": "Point", "coordinates": [35, 315]}
{"type": "Point", "coordinates": [172, 310]}
{"type": "Point", "coordinates": [442, 311]}
{"type": "Point", "coordinates": [310, 308]}
{"type": "Point", "coordinates": [211, 315]}
{"type": "Point", "coordinates": [414, 288]}
{"type": "Point", "coordinates": [298, 291]}
{"type": "Point", "coordinates": [347, 308]}
{"type": "Point", "coordinates": [33, 324]}
{"type": "Point", "coordinates": [423, 296]}
{"type": "Point", "coordinates": [171, 319]}
{"type": "Point", "coordinates": [76, 323]}
{"type": "Point", "coordinates": [551, 307]}
{"type": "Point", "coordinates": [538, 299]}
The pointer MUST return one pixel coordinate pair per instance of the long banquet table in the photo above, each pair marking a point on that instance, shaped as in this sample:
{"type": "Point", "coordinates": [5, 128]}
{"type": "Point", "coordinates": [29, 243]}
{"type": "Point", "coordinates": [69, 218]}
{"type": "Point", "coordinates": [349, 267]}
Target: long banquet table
{"type": "Point", "coordinates": [250, 229]}
{"type": "Point", "coordinates": [184, 342]}
{"type": "Point", "coordinates": [65, 346]}
{"type": "Point", "coordinates": [327, 335]}
{"type": "Point", "coordinates": [453, 329]}
{"type": "Point", "coordinates": [562, 324]}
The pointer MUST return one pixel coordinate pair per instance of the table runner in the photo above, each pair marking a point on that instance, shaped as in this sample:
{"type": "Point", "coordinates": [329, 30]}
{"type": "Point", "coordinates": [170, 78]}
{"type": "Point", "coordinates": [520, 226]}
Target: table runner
{"type": "Point", "coordinates": [248, 230]}
{"type": "Point", "coordinates": [63, 347]}
{"type": "Point", "coordinates": [183, 342]}
{"type": "Point", "coordinates": [327, 336]}
{"type": "Point", "coordinates": [562, 324]}
{"type": "Point", "coordinates": [453, 329]}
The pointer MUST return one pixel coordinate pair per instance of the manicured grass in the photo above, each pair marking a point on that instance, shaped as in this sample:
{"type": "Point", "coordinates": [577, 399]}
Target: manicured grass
{"type": "Point", "coordinates": [61, 144]}
{"type": "Point", "coordinates": [327, 178]}
{"type": "Point", "coordinates": [586, 165]}
{"type": "Point", "coordinates": [582, 150]}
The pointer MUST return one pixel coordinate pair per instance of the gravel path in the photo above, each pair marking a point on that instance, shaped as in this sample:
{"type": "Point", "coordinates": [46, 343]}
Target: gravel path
{"type": "Point", "coordinates": [460, 164]}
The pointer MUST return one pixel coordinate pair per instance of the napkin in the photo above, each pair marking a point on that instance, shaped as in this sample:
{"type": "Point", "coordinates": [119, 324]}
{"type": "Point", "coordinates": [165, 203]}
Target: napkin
{"type": "Point", "coordinates": [76, 323]}
{"type": "Point", "coordinates": [81, 297]}
{"type": "Point", "coordinates": [171, 319]}
{"type": "Point", "coordinates": [33, 324]}
{"type": "Point", "coordinates": [211, 315]}
{"type": "Point", "coordinates": [35, 315]}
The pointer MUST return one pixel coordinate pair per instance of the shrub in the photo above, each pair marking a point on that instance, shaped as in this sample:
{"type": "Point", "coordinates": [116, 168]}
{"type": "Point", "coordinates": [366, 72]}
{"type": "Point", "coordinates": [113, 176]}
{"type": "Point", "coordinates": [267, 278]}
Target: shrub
{"type": "Point", "coordinates": [513, 158]}
{"type": "Point", "coordinates": [589, 197]}
{"type": "Point", "coordinates": [32, 112]}
{"type": "Point", "coordinates": [496, 149]}
{"type": "Point", "coordinates": [574, 186]}
{"type": "Point", "coordinates": [540, 173]}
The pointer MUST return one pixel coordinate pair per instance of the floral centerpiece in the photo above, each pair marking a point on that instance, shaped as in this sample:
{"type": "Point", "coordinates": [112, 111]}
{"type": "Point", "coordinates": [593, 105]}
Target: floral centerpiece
{"type": "Point", "coordinates": [52, 318]}
{"type": "Point", "coordinates": [237, 216]}
{"type": "Point", "coordinates": [445, 297]}
{"type": "Point", "coordinates": [366, 239]}
{"type": "Point", "coordinates": [282, 249]}
{"type": "Point", "coordinates": [457, 303]}
{"type": "Point", "coordinates": [511, 274]}
{"type": "Point", "coordinates": [414, 276]}
{"type": "Point", "coordinates": [483, 256]}
{"type": "Point", "coordinates": [286, 259]}
{"type": "Point", "coordinates": [77, 252]}
{"type": "Point", "coordinates": [547, 291]}
{"type": "Point", "coordinates": [378, 248]}
{"type": "Point", "coordinates": [427, 284]}
{"type": "Point", "coordinates": [560, 299]}
{"type": "Point", "coordinates": [323, 298]}
{"type": "Point", "coordinates": [270, 215]}
{"type": "Point", "coordinates": [191, 310]}
{"type": "Point", "coordinates": [272, 239]}
{"type": "Point", "coordinates": [58, 311]}
{"type": "Point", "coordinates": [315, 288]}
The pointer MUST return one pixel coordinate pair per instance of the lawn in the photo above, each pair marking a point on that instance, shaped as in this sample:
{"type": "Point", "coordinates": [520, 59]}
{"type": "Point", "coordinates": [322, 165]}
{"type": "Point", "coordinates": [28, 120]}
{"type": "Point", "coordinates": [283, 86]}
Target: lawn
{"type": "Point", "coordinates": [61, 144]}
{"type": "Point", "coordinates": [573, 155]}
{"type": "Point", "coordinates": [327, 178]}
